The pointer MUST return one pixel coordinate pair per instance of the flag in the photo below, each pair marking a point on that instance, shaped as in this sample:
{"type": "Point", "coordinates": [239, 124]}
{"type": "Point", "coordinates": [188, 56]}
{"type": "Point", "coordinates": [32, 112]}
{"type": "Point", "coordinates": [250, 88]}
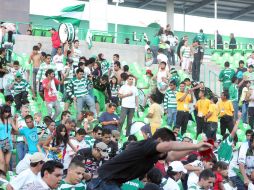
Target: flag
{"type": "Point", "coordinates": [89, 39]}
{"type": "Point", "coordinates": [71, 14]}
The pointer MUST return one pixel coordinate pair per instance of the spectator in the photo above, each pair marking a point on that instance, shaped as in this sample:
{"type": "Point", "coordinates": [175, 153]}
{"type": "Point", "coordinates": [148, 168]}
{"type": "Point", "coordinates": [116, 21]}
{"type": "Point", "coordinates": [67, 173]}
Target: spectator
{"type": "Point", "coordinates": [219, 41]}
{"type": "Point", "coordinates": [198, 54]}
{"type": "Point", "coordinates": [50, 93]}
{"type": "Point", "coordinates": [206, 180]}
{"type": "Point", "coordinates": [129, 95]}
{"type": "Point", "coordinates": [232, 42]}
{"type": "Point", "coordinates": [109, 119]}
{"type": "Point", "coordinates": [239, 74]}
{"type": "Point", "coordinates": [56, 43]}
{"type": "Point", "coordinates": [117, 71]}
{"type": "Point", "coordinates": [233, 91]}
{"type": "Point", "coordinates": [170, 104]}
{"type": "Point", "coordinates": [250, 60]}
{"type": "Point", "coordinates": [3, 69]}
{"type": "Point", "coordinates": [96, 135]}
{"type": "Point", "coordinates": [76, 53]}
{"type": "Point", "coordinates": [58, 61]}
{"type": "Point", "coordinates": [244, 101]}
{"type": "Point", "coordinates": [174, 173]}
{"type": "Point", "coordinates": [93, 157]}
{"type": "Point", "coordinates": [200, 37]}
{"type": "Point", "coordinates": [74, 177]}
{"type": "Point", "coordinates": [185, 55]}
{"type": "Point", "coordinates": [107, 139]}
{"type": "Point", "coordinates": [250, 98]}
{"type": "Point", "coordinates": [28, 177]}
{"type": "Point", "coordinates": [6, 145]}
{"type": "Point", "coordinates": [51, 175]}
{"type": "Point", "coordinates": [226, 76]}
{"type": "Point", "coordinates": [80, 92]}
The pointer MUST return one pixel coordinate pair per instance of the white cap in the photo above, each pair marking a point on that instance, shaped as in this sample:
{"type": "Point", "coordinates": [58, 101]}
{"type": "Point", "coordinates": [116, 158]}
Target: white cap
{"type": "Point", "coordinates": [37, 157]}
{"type": "Point", "coordinates": [177, 166]}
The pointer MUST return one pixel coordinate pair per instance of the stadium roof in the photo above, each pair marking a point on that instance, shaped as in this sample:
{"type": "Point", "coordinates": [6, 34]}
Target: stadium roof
{"type": "Point", "coordinates": [227, 9]}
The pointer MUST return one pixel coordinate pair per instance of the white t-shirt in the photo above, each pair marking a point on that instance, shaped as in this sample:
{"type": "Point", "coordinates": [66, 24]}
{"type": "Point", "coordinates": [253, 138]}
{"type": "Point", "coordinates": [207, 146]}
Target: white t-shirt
{"type": "Point", "coordinates": [251, 103]}
{"type": "Point", "coordinates": [70, 153]}
{"type": "Point", "coordinates": [162, 57]}
{"type": "Point", "coordinates": [250, 61]}
{"type": "Point", "coordinates": [24, 180]}
{"type": "Point", "coordinates": [192, 179]}
{"type": "Point", "coordinates": [250, 186]}
{"type": "Point", "coordinates": [76, 56]}
{"type": "Point", "coordinates": [171, 185]}
{"type": "Point", "coordinates": [129, 102]}
{"type": "Point", "coordinates": [39, 185]}
{"type": "Point", "coordinates": [238, 157]}
{"type": "Point", "coordinates": [58, 61]}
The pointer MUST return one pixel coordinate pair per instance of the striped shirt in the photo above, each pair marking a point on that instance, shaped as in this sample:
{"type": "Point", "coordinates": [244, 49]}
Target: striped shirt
{"type": "Point", "coordinates": [114, 90]}
{"type": "Point", "coordinates": [70, 72]}
{"type": "Point", "coordinates": [186, 51]}
{"type": "Point", "coordinates": [42, 70]}
{"type": "Point", "coordinates": [66, 186]}
{"type": "Point", "coordinates": [170, 100]}
{"type": "Point", "coordinates": [21, 86]}
{"type": "Point", "coordinates": [80, 87]}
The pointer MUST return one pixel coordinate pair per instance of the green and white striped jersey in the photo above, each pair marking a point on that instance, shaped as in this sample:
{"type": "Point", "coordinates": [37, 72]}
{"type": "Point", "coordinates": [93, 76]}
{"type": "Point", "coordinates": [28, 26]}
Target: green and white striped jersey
{"type": "Point", "coordinates": [21, 86]}
{"type": "Point", "coordinates": [170, 100]}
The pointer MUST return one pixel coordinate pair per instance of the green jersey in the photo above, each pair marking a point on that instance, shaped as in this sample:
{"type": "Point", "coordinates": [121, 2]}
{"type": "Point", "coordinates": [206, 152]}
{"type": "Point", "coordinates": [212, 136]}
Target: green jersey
{"type": "Point", "coordinates": [134, 184]}
{"type": "Point", "coordinates": [233, 92]}
{"type": "Point", "coordinates": [105, 66]}
{"type": "Point", "coordinates": [66, 186]}
{"type": "Point", "coordinates": [225, 76]}
{"type": "Point", "coordinates": [225, 150]}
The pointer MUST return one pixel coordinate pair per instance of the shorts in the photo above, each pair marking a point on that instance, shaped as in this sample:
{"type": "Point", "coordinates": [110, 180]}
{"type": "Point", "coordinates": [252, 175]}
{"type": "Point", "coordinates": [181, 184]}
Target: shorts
{"type": "Point", "coordinates": [6, 145]}
{"type": "Point", "coordinates": [1, 83]}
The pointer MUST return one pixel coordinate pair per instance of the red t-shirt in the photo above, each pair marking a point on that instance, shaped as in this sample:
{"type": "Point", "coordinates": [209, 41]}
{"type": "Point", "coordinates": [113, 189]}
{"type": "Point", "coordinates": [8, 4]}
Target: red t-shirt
{"type": "Point", "coordinates": [218, 180]}
{"type": "Point", "coordinates": [161, 167]}
{"type": "Point", "coordinates": [50, 95]}
{"type": "Point", "coordinates": [55, 40]}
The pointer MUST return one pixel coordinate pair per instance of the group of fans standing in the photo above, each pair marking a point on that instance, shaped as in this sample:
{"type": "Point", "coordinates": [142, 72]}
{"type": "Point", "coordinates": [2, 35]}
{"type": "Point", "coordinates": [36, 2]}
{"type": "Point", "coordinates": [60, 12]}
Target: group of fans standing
{"type": "Point", "coordinates": [84, 149]}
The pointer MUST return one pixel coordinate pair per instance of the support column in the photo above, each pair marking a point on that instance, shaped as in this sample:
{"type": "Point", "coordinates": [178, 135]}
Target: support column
{"type": "Point", "coordinates": [98, 15]}
{"type": "Point", "coordinates": [170, 12]}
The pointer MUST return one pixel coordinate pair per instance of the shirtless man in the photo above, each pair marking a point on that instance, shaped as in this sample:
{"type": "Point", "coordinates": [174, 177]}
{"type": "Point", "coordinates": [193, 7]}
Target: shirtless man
{"type": "Point", "coordinates": [35, 57]}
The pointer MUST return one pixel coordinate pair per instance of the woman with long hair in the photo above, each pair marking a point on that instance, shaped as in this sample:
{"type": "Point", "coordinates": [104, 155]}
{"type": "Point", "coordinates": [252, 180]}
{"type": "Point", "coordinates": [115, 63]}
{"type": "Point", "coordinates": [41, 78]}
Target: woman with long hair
{"type": "Point", "coordinates": [6, 146]}
{"type": "Point", "coordinates": [56, 144]}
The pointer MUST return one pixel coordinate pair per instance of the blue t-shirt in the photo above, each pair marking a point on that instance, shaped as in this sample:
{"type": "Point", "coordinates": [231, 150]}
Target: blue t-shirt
{"type": "Point", "coordinates": [105, 116]}
{"type": "Point", "coordinates": [31, 138]}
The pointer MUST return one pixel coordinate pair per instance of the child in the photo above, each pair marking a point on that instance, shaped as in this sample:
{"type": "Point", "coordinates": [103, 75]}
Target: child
{"type": "Point", "coordinates": [41, 128]}
{"type": "Point", "coordinates": [185, 55]}
{"type": "Point", "coordinates": [78, 142]}
{"type": "Point", "coordinates": [58, 61]}
{"type": "Point", "coordinates": [221, 173]}
{"type": "Point", "coordinates": [148, 57]}
{"type": "Point", "coordinates": [114, 87]}
{"type": "Point", "coordinates": [19, 87]}
{"type": "Point", "coordinates": [35, 58]}
{"type": "Point", "coordinates": [56, 144]}
{"type": "Point", "coordinates": [88, 118]}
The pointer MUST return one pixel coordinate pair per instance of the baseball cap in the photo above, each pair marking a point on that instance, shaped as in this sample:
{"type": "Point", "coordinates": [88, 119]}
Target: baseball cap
{"type": "Point", "coordinates": [18, 74]}
{"type": "Point", "coordinates": [103, 148]}
{"type": "Point", "coordinates": [37, 157]}
{"type": "Point", "coordinates": [177, 166]}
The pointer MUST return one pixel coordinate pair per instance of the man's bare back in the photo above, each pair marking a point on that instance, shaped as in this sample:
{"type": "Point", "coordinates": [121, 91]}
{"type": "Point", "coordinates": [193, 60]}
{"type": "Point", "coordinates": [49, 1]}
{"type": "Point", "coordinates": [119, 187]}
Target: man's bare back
{"type": "Point", "coordinates": [36, 59]}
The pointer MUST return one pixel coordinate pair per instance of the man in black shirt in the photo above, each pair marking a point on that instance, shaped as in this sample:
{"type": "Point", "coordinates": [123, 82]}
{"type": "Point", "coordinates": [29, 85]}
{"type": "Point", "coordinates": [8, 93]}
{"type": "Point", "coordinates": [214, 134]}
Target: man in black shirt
{"type": "Point", "coordinates": [198, 59]}
{"type": "Point", "coordinates": [3, 70]}
{"type": "Point", "coordinates": [140, 157]}
{"type": "Point", "coordinates": [92, 157]}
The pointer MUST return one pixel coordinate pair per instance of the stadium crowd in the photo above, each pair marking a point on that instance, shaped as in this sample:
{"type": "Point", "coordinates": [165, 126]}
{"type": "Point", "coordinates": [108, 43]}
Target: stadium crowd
{"type": "Point", "coordinates": [90, 143]}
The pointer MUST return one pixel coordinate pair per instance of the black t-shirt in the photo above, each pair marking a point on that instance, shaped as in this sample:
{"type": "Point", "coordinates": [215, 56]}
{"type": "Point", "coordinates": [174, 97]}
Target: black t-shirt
{"type": "Point", "coordinates": [135, 161]}
{"type": "Point", "coordinates": [91, 164]}
{"type": "Point", "coordinates": [112, 149]}
{"type": "Point", "coordinates": [3, 63]}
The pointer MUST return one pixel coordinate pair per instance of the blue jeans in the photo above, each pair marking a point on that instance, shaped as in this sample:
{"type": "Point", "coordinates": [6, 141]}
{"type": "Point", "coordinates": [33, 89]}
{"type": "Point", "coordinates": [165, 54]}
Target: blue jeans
{"type": "Point", "coordinates": [245, 113]}
{"type": "Point", "coordinates": [171, 116]}
{"type": "Point", "coordinates": [21, 150]}
{"type": "Point", "coordinates": [98, 184]}
{"type": "Point", "coordinates": [236, 107]}
{"type": "Point", "coordinates": [237, 182]}
{"type": "Point", "coordinates": [86, 100]}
